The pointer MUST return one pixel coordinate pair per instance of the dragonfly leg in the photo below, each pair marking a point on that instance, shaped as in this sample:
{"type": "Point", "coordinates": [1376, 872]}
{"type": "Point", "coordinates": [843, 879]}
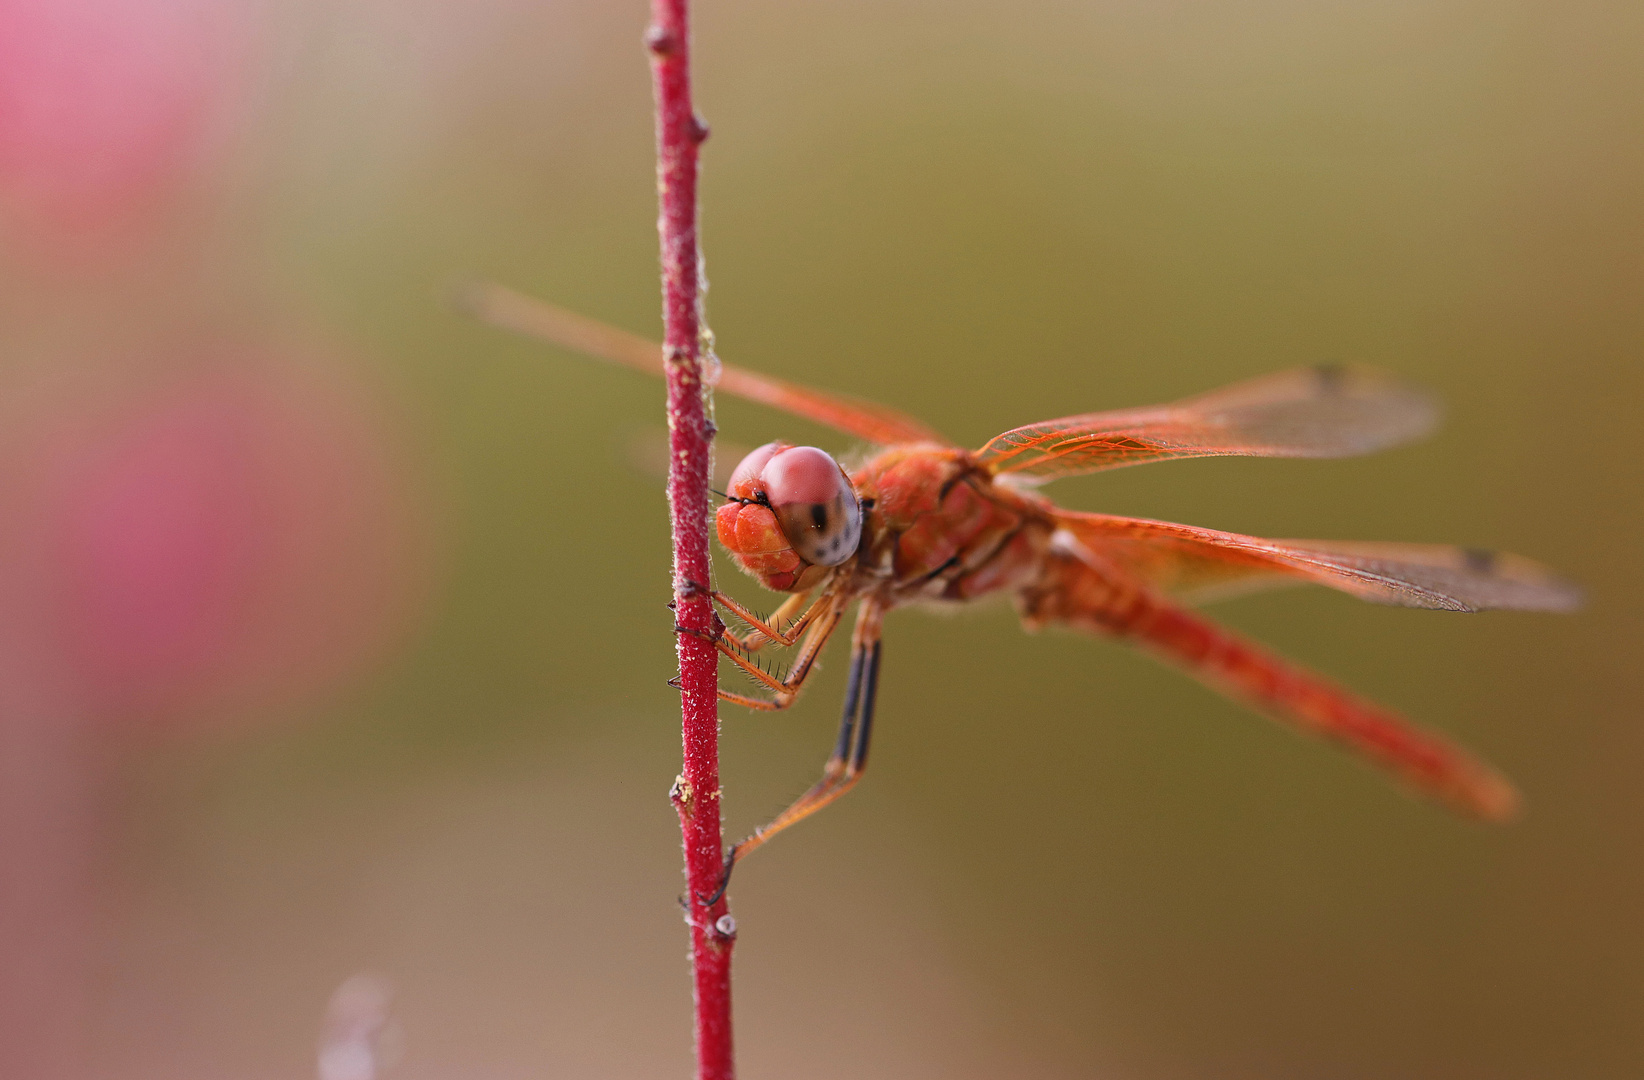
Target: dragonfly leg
{"type": "Point", "coordinates": [804, 662]}
{"type": "Point", "coordinates": [850, 755]}
{"type": "Point", "coordinates": [820, 626]}
{"type": "Point", "coordinates": [749, 701]}
{"type": "Point", "coordinates": [766, 631]}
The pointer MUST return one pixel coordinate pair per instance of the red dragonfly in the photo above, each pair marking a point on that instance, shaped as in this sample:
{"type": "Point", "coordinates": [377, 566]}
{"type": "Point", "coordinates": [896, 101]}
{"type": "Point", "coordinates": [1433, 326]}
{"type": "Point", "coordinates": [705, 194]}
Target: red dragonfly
{"type": "Point", "coordinates": [923, 520]}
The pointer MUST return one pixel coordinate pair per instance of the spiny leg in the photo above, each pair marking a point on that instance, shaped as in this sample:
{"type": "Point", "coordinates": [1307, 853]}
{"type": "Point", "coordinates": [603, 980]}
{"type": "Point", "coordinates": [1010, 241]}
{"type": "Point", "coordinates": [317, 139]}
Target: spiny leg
{"type": "Point", "coordinates": [822, 619]}
{"type": "Point", "coordinates": [821, 628]}
{"type": "Point", "coordinates": [850, 756]}
{"type": "Point", "coordinates": [839, 775]}
{"type": "Point", "coordinates": [770, 630]}
{"type": "Point", "coordinates": [766, 630]}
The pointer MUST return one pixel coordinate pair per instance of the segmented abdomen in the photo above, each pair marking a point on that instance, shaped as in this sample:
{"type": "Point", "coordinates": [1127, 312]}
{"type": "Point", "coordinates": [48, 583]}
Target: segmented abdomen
{"type": "Point", "coordinates": [1075, 592]}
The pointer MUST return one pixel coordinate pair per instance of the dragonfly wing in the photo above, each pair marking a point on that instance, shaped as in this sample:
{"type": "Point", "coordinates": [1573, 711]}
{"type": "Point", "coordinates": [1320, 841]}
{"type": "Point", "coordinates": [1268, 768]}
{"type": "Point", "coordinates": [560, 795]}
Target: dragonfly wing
{"type": "Point", "coordinates": [504, 307]}
{"type": "Point", "coordinates": [647, 451]}
{"type": "Point", "coordinates": [1318, 412]}
{"type": "Point", "coordinates": [1205, 564]}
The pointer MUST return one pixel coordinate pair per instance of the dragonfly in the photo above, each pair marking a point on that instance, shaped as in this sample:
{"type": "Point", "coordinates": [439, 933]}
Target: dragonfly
{"type": "Point", "coordinates": [923, 520]}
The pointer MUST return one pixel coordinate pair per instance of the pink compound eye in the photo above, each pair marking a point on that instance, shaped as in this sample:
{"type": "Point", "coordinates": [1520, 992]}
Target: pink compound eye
{"type": "Point", "coordinates": [745, 480]}
{"type": "Point", "coordinates": [813, 501]}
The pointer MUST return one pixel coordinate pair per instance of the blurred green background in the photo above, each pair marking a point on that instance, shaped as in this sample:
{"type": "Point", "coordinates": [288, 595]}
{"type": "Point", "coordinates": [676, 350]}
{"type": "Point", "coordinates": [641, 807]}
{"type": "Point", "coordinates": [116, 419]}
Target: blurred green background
{"type": "Point", "coordinates": [1066, 861]}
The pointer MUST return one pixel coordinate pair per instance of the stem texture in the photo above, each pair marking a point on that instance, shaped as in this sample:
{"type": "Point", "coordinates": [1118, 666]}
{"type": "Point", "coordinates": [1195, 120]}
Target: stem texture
{"type": "Point", "coordinates": [679, 134]}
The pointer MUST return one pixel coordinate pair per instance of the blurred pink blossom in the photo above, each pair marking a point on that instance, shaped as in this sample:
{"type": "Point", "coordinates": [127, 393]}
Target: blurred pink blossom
{"type": "Point", "coordinates": [237, 534]}
{"type": "Point", "coordinates": [106, 105]}
{"type": "Point", "coordinates": [182, 540]}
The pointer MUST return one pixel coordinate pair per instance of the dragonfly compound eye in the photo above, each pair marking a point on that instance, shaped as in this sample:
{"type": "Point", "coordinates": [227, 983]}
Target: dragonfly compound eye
{"type": "Point", "coordinates": [745, 483]}
{"type": "Point", "coordinates": [814, 503]}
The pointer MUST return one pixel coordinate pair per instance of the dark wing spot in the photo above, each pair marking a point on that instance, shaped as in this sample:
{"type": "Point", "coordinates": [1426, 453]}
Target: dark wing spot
{"type": "Point", "coordinates": [819, 515]}
{"type": "Point", "coordinates": [1479, 560]}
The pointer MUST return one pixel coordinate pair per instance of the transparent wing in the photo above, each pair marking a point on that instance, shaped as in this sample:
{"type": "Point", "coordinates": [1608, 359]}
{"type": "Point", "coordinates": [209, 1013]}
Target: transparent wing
{"type": "Point", "coordinates": [536, 318]}
{"type": "Point", "coordinates": [647, 452]}
{"type": "Point", "coordinates": [1319, 412]}
{"type": "Point", "coordinates": [1202, 564]}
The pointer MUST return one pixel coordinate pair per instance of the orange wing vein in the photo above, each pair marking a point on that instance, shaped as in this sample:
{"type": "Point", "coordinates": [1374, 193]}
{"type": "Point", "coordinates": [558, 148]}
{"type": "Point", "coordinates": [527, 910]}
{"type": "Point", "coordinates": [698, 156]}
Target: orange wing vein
{"type": "Point", "coordinates": [1204, 564]}
{"type": "Point", "coordinates": [504, 307]}
{"type": "Point", "coordinates": [1319, 412]}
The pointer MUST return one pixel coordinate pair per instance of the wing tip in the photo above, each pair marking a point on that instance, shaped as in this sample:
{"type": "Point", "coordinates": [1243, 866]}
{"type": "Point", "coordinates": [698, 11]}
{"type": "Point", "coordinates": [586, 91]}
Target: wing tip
{"type": "Point", "coordinates": [466, 295]}
{"type": "Point", "coordinates": [1442, 577]}
{"type": "Point", "coordinates": [485, 301]}
{"type": "Point", "coordinates": [1562, 598]}
{"type": "Point", "coordinates": [1542, 589]}
{"type": "Point", "coordinates": [1486, 795]}
{"type": "Point", "coordinates": [1407, 411]}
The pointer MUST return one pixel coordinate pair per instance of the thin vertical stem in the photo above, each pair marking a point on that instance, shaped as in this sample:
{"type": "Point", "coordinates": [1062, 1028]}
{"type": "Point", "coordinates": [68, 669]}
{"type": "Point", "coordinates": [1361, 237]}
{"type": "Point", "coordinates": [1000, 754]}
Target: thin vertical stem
{"type": "Point", "coordinates": [679, 133]}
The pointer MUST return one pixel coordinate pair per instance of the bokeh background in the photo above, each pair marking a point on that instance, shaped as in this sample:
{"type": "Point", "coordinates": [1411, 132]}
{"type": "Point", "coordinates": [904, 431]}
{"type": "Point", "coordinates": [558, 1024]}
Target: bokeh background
{"type": "Point", "coordinates": [332, 651]}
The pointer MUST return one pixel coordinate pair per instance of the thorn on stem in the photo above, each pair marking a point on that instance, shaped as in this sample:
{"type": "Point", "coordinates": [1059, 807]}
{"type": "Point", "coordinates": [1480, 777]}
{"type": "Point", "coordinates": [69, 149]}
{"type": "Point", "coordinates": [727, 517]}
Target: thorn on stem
{"type": "Point", "coordinates": [725, 927]}
{"type": "Point", "coordinates": [698, 130]}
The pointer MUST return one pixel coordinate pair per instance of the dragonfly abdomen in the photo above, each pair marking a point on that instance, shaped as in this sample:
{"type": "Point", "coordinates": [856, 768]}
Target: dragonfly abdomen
{"type": "Point", "coordinates": [1079, 594]}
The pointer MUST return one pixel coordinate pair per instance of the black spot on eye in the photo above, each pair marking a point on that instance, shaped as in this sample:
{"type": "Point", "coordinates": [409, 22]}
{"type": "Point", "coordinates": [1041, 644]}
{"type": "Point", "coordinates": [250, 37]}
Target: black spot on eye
{"type": "Point", "coordinates": [819, 515]}
{"type": "Point", "coordinates": [1479, 560]}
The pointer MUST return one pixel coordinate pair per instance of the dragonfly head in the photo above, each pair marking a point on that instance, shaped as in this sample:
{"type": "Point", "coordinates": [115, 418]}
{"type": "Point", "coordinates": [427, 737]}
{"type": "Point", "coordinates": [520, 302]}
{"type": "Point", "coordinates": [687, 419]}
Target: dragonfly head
{"type": "Point", "coordinates": [791, 509]}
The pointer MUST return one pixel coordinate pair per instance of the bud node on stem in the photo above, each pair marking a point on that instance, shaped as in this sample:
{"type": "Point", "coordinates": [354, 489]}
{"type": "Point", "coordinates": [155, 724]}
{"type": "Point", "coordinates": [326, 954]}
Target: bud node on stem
{"type": "Point", "coordinates": [661, 41]}
{"type": "Point", "coordinates": [682, 795]}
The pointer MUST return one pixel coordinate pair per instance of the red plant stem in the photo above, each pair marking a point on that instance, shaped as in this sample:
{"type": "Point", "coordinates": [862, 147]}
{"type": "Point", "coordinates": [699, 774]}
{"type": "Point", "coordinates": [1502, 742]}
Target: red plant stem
{"type": "Point", "coordinates": [679, 132]}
